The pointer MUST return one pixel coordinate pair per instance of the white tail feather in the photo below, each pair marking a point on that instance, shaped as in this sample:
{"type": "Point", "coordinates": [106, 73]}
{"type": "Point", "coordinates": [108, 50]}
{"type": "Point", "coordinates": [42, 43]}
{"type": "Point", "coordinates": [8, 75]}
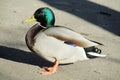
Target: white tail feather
{"type": "Point", "coordinates": [96, 54]}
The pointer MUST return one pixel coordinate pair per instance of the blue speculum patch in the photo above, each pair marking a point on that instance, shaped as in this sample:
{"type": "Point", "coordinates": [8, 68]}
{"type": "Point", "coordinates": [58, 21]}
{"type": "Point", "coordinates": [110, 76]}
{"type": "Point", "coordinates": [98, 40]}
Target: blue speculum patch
{"type": "Point", "coordinates": [71, 44]}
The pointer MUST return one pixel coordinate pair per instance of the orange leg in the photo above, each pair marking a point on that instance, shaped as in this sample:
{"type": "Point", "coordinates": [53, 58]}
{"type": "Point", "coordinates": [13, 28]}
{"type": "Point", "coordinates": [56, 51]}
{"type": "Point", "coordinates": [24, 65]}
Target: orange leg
{"type": "Point", "coordinates": [50, 70]}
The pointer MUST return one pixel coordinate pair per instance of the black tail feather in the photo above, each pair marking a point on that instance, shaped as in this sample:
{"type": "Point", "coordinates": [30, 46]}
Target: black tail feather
{"type": "Point", "coordinates": [92, 49]}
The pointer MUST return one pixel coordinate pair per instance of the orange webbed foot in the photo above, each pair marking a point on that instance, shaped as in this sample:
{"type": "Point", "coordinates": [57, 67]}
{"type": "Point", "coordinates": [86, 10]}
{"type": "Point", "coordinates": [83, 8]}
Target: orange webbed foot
{"type": "Point", "coordinates": [50, 70]}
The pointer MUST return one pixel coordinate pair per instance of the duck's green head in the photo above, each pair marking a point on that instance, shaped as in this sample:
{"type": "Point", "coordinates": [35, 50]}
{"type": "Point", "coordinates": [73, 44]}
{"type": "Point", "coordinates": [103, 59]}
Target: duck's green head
{"type": "Point", "coordinates": [45, 16]}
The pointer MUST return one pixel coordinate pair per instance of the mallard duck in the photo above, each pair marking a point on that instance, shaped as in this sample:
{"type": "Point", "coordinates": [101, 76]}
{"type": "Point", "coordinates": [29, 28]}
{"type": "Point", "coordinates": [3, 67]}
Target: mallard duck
{"type": "Point", "coordinates": [57, 44]}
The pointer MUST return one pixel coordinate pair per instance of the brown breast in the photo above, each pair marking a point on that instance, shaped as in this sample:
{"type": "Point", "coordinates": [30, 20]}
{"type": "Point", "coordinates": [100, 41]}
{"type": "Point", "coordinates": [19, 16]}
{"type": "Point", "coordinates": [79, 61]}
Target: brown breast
{"type": "Point", "coordinates": [31, 34]}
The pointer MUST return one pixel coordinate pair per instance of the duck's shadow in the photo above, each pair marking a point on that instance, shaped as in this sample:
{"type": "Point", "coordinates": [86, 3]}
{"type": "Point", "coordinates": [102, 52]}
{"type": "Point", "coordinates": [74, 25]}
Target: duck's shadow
{"type": "Point", "coordinates": [22, 56]}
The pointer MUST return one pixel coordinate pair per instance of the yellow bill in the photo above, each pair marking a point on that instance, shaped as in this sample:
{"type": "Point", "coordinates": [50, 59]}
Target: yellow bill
{"type": "Point", "coordinates": [29, 20]}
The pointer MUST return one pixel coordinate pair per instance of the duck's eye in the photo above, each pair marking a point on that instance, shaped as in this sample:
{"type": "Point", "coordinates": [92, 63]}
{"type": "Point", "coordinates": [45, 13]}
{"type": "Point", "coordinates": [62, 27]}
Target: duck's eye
{"type": "Point", "coordinates": [41, 14]}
